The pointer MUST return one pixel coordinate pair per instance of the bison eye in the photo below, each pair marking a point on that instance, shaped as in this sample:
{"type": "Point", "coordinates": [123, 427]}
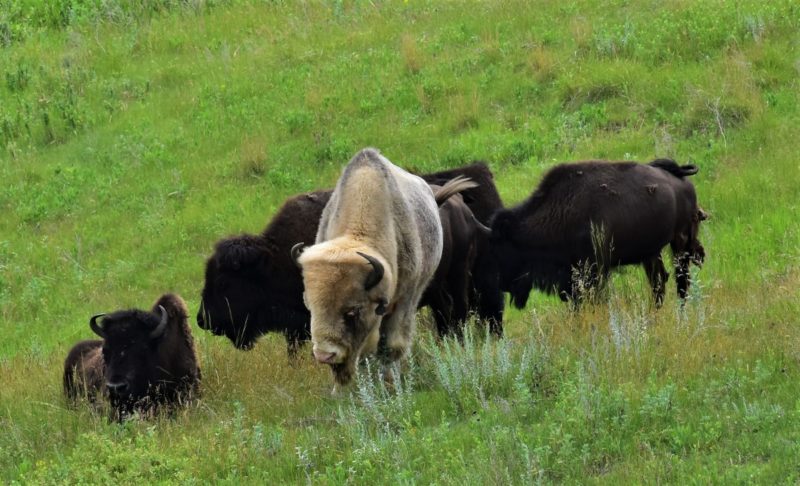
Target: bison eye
{"type": "Point", "coordinates": [351, 315]}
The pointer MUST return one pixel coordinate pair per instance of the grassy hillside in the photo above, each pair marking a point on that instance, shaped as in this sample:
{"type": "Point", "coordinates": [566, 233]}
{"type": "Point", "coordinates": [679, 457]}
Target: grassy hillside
{"type": "Point", "coordinates": [133, 135]}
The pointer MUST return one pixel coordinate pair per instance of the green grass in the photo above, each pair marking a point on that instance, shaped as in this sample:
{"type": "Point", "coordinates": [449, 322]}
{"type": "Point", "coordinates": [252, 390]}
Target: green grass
{"type": "Point", "coordinates": [133, 135]}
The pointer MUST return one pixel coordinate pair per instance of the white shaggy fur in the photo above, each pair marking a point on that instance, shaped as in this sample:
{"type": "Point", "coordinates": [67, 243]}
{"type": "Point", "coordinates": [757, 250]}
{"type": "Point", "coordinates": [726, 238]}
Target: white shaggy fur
{"type": "Point", "coordinates": [382, 211]}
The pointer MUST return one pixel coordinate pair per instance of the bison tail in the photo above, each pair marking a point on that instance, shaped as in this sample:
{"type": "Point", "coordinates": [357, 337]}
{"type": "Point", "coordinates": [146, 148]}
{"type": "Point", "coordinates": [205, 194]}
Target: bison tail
{"type": "Point", "coordinates": [673, 168]}
{"type": "Point", "coordinates": [689, 169]}
{"type": "Point", "coordinates": [452, 187]}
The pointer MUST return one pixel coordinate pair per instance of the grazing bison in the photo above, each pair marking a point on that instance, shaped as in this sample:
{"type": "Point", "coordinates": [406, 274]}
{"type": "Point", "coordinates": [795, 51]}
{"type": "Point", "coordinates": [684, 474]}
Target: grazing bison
{"type": "Point", "coordinates": [378, 245]}
{"type": "Point", "coordinates": [252, 286]}
{"type": "Point", "coordinates": [593, 216]}
{"type": "Point", "coordinates": [484, 201]}
{"type": "Point", "coordinates": [145, 359]}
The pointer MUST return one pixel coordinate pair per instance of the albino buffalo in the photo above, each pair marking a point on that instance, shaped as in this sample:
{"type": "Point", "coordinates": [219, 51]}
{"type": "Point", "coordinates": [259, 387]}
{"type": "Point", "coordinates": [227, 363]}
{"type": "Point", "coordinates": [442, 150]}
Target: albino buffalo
{"type": "Point", "coordinates": [378, 245]}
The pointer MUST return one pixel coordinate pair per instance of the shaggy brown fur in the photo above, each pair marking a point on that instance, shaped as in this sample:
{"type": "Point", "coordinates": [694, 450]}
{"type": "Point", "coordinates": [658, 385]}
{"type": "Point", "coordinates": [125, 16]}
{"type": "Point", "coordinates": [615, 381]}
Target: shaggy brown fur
{"type": "Point", "coordinates": [134, 368]}
{"type": "Point", "coordinates": [252, 285]}
{"type": "Point", "coordinates": [486, 298]}
{"type": "Point", "coordinates": [586, 218]}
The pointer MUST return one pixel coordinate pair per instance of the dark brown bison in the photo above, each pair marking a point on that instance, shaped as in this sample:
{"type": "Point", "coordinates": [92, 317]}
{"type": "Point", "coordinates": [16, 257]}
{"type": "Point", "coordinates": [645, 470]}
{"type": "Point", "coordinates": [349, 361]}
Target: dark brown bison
{"type": "Point", "coordinates": [448, 294]}
{"type": "Point", "coordinates": [145, 359]}
{"type": "Point", "coordinates": [486, 297]}
{"type": "Point", "coordinates": [586, 218]}
{"type": "Point", "coordinates": [252, 286]}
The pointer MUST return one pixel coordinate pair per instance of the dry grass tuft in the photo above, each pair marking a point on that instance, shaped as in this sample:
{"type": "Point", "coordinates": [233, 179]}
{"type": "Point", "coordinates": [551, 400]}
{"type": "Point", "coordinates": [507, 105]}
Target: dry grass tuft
{"type": "Point", "coordinates": [731, 101]}
{"type": "Point", "coordinates": [253, 157]}
{"type": "Point", "coordinates": [542, 63]}
{"type": "Point", "coordinates": [465, 110]}
{"type": "Point", "coordinates": [582, 32]}
{"type": "Point", "coordinates": [411, 54]}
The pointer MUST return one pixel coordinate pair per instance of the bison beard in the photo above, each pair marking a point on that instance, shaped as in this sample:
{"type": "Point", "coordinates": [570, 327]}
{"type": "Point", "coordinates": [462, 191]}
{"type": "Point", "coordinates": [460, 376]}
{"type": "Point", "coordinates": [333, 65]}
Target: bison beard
{"type": "Point", "coordinates": [586, 218]}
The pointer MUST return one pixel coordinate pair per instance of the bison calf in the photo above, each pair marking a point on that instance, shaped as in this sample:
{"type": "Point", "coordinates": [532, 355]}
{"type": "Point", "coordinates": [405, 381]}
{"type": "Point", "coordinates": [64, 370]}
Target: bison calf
{"type": "Point", "coordinates": [144, 360]}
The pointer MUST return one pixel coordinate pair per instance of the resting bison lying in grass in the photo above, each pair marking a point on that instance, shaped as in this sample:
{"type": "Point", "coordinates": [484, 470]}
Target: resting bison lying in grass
{"type": "Point", "coordinates": [587, 218]}
{"type": "Point", "coordinates": [252, 286]}
{"type": "Point", "coordinates": [145, 359]}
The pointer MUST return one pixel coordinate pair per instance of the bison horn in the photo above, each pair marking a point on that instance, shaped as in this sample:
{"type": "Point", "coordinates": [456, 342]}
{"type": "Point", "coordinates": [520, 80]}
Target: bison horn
{"type": "Point", "coordinates": [96, 327]}
{"type": "Point", "coordinates": [297, 250]}
{"type": "Point", "coordinates": [159, 330]}
{"type": "Point", "coordinates": [376, 274]}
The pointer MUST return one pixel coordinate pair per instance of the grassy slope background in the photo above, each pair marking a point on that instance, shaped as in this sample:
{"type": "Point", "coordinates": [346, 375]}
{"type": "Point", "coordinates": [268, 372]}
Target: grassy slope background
{"type": "Point", "coordinates": [136, 134]}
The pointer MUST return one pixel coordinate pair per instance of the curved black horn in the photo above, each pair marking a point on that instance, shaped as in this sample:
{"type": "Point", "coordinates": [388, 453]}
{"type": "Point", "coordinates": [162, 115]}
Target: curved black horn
{"type": "Point", "coordinates": [96, 327]}
{"type": "Point", "coordinates": [376, 274]}
{"type": "Point", "coordinates": [159, 330]}
{"type": "Point", "coordinates": [297, 250]}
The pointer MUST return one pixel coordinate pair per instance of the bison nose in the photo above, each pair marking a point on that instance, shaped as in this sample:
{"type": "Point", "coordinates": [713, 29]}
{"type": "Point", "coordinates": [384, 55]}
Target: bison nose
{"type": "Point", "coordinates": [119, 388]}
{"type": "Point", "coordinates": [324, 357]}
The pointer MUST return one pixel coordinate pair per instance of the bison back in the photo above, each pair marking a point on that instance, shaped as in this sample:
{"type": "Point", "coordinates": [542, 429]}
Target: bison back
{"type": "Point", "coordinates": [484, 199]}
{"type": "Point", "coordinates": [83, 370]}
{"type": "Point", "coordinates": [626, 208]}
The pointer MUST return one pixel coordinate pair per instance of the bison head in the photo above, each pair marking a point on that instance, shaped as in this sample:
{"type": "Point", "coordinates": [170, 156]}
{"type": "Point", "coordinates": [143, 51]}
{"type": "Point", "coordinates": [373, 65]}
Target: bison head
{"type": "Point", "coordinates": [130, 350]}
{"type": "Point", "coordinates": [347, 290]}
{"type": "Point", "coordinates": [235, 292]}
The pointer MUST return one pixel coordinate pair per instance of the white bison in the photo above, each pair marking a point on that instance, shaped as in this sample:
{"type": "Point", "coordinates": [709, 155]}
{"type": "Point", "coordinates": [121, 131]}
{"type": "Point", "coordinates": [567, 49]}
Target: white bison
{"type": "Point", "coordinates": [378, 245]}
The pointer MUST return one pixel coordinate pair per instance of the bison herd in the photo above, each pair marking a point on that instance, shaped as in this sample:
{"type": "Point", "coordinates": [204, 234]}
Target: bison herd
{"type": "Point", "coordinates": [348, 269]}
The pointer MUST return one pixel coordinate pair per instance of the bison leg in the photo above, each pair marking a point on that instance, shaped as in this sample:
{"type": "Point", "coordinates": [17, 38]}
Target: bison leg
{"type": "Point", "coordinates": [458, 287]}
{"type": "Point", "coordinates": [657, 275]}
{"type": "Point", "coordinates": [442, 309]}
{"type": "Point", "coordinates": [490, 308]}
{"type": "Point", "coordinates": [294, 340]}
{"type": "Point", "coordinates": [682, 275]}
{"type": "Point", "coordinates": [396, 332]}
